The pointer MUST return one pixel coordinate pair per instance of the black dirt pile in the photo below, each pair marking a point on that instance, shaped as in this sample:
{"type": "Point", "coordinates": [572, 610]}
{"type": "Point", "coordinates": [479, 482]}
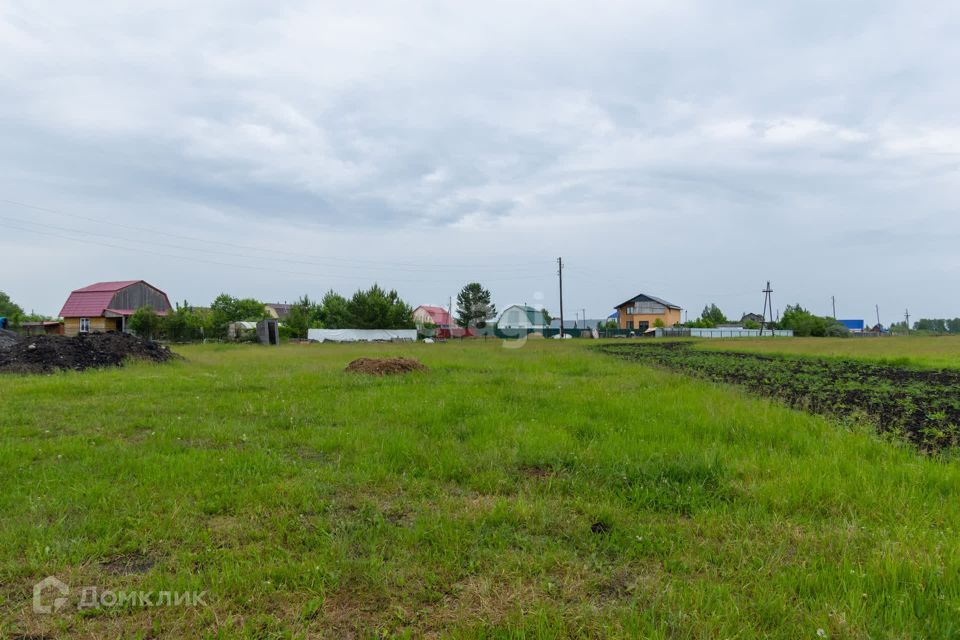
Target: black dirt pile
{"type": "Point", "coordinates": [384, 366]}
{"type": "Point", "coordinates": [45, 354]}
{"type": "Point", "coordinates": [7, 338]}
{"type": "Point", "coordinates": [921, 404]}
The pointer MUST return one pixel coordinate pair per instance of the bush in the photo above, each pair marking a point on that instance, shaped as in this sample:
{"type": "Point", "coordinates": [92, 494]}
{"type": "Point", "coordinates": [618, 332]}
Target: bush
{"type": "Point", "coordinates": [184, 324]}
{"type": "Point", "coordinates": [803, 323]}
{"type": "Point", "coordinates": [145, 323]}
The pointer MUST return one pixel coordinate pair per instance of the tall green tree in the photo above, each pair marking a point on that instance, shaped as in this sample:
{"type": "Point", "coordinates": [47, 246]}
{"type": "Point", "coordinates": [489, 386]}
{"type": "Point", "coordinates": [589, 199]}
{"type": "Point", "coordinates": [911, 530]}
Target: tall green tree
{"type": "Point", "coordinates": [377, 308]}
{"type": "Point", "coordinates": [474, 307]}
{"type": "Point", "coordinates": [9, 309]}
{"type": "Point", "coordinates": [713, 314]}
{"type": "Point", "coordinates": [304, 313]}
{"type": "Point", "coordinates": [333, 312]}
{"type": "Point", "coordinates": [226, 309]}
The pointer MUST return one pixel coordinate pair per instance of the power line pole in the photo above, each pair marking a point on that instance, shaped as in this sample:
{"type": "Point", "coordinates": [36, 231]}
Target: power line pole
{"type": "Point", "coordinates": [560, 275]}
{"type": "Point", "coordinates": [767, 303]}
{"type": "Point", "coordinates": [879, 326]}
{"type": "Point", "coordinates": [906, 319]}
{"type": "Point", "coordinates": [833, 301]}
{"type": "Point", "coordinates": [584, 316]}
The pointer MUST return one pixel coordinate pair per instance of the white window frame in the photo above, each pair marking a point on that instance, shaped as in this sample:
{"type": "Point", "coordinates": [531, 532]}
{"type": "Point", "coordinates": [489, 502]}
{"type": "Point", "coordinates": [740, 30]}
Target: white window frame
{"type": "Point", "coordinates": [84, 325]}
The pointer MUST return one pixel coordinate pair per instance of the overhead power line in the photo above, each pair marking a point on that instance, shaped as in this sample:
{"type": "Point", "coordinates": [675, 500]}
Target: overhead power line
{"type": "Point", "coordinates": [282, 252]}
{"type": "Point", "coordinates": [141, 250]}
{"type": "Point", "coordinates": [154, 243]}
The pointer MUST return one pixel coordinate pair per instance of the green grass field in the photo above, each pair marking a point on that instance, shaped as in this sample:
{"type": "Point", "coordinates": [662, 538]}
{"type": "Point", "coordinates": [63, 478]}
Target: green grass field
{"type": "Point", "coordinates": [547, 491]}
{"type": "Point", "coordinates": [926, 351]}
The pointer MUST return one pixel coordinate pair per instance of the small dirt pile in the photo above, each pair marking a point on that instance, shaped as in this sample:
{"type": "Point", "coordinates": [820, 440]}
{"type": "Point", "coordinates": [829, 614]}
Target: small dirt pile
{"type": "Point", "coordinates": [44, 354]}
{"type": "Point", "coordinates": [384, 366]}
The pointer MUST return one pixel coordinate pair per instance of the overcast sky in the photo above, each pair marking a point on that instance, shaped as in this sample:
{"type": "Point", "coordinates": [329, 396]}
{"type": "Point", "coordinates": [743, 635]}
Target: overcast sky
{"type": "Point", "coordinates": [689, 150]}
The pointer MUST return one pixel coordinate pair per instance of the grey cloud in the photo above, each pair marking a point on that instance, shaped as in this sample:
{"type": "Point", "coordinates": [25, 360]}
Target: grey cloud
{"type": "Point", "coordinates": [738, 133]}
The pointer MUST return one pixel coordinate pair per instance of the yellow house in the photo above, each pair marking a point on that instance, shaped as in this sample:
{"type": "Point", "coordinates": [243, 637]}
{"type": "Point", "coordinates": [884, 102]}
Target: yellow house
{"type": "Point", "coordinates": [107, 306]}
{"type": "Point", "coordinates": [641, 312]}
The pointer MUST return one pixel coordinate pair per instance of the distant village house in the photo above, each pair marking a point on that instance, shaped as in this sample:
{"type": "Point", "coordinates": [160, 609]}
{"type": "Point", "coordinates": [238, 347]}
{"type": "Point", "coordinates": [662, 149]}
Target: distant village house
{"type": "Point", "coordinates": [278, 311]}
{"type": "Point", "coordinates": [107, 306]}
{"type": "Point", "coordinates": [519, 316]}
{"type": "Point", "coordinates": [642, 311]}
{"type": "Point", "coordinates": [426, 315]}
{"type": "Point", "coordinates": [436, 322]}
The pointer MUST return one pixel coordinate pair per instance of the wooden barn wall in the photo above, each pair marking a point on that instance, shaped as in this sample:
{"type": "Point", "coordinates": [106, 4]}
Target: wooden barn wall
{"type": "Point", "coordinates": [139, 295]}
{"type": "Point", "coordinates": [71, 326]}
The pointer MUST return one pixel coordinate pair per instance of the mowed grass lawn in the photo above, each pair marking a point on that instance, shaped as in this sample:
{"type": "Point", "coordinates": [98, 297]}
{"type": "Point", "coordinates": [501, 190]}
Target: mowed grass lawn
{"type": "Point", "coordinates": [546, 491]}
{"type": "Point", "coordinates": [925, 351]}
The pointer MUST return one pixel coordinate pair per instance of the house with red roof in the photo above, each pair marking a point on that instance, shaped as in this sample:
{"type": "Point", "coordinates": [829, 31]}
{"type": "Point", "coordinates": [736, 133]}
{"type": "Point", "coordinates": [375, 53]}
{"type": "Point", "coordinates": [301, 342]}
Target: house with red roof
{"type": "Point", "coordinates": [426, 315]}
{"type": "Point", "coordinates": [107, 306]}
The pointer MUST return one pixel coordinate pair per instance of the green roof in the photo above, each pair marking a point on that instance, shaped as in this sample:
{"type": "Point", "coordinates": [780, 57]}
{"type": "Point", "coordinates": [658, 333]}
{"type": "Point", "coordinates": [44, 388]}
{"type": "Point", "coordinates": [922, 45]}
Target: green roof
{"type": "Point", "coordinates": [534, 316]}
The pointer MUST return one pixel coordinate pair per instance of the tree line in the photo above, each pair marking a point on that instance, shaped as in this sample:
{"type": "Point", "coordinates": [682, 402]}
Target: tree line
{"type": "Point", "coordinates": [15, 314]}
{"type": "Point", "coordinates": [929, 325]}
{"type": "Point", "coordinates": [795, 318]}
{"type": "Point", "coordinates": [373, 308]}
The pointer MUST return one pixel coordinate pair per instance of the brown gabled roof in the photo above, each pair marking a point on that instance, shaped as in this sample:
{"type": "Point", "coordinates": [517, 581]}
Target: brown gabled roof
{"type": "Point", "coordinates": [644, 296]}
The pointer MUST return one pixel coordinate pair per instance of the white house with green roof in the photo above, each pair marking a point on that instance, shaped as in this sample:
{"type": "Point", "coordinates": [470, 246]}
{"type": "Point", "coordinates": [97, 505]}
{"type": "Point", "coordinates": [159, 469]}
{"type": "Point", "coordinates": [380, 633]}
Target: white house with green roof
{"type": "Point", "coordinates": [521, 316]}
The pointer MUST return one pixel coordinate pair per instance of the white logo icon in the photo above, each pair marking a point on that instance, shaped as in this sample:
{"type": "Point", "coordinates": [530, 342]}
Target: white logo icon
{"type": "Point", "coordinates": [43, 585]}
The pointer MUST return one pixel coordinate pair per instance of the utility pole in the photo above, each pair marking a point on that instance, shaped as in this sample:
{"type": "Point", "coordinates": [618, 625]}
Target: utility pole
{"type": "Point", "coordinates": [767, 303]}
{"type": "Point", "coordinates": [584, 316]}
{"type": "Point", "coordinates": [906, 319]}
{"type": "Point", "coordinates": [560, 275]}
{"type": "Point", "coordinates": [879, 326]}
{"type": "Point", "coordinates": [833, 301]}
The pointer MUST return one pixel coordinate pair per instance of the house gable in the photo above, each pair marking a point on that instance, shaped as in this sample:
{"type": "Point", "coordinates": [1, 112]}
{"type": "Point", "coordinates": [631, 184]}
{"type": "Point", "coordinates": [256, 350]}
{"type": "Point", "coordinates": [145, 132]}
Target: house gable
{"type": "Point", "coordinates": [517, 315]}
{"type": "Point", "coordinates": [140, 295]}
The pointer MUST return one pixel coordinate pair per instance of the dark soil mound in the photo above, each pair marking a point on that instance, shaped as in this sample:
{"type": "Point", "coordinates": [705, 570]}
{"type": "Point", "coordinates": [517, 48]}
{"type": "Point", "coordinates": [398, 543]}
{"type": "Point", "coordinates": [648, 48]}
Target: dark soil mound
{"type": "Point", "coordinates": [384, 366]}
{"type": "Point", "coordinates": [44, 354]}
{"type": "Point", "coordinates": [7, 338]}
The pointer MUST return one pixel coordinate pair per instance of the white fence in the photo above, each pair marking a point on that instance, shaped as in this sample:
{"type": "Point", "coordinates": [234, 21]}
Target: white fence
{"type": "Point", "coordinates": [732, 332]}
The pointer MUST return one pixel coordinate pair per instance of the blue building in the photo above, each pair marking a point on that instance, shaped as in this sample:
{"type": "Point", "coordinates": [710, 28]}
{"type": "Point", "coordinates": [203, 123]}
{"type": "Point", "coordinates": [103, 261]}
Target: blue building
{"type": "Point", "coordinates": [853, 325]}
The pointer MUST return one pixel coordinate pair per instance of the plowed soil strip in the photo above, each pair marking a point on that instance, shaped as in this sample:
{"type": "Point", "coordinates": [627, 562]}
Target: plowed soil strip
{"type": "Point", "coordinates": [922, 404]}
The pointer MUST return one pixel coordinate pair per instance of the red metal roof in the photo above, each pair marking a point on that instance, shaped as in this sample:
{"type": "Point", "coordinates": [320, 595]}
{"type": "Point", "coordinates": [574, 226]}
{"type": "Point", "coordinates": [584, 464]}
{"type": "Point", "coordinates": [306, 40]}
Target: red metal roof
{"type": "Point", "coordinates": [93, 300]}
{"type": "Point", "coordinates": [86, 304]}
{"type": "Point", "coordinates": [438, 315]}
{"type": "Point", "coordinates": [112, 287]}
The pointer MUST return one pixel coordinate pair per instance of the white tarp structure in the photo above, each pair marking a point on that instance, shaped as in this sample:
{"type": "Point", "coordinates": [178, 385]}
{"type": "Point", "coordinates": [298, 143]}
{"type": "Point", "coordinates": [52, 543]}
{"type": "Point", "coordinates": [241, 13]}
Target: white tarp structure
{"type": "Point", "coordinates": [721, 332]}
{"type": "Point", "coordinates": [361, 335]}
